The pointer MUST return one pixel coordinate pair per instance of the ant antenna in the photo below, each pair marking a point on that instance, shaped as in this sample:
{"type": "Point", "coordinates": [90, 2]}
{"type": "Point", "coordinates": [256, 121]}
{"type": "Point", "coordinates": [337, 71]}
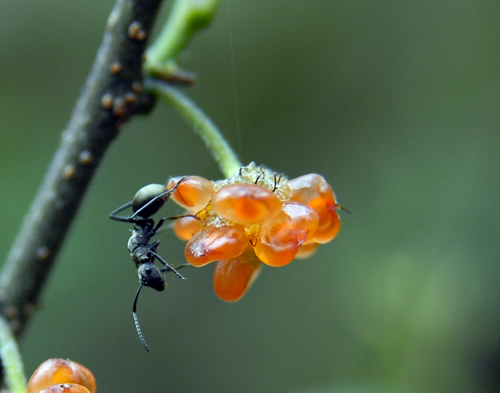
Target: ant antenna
{"type": "Point", "coordinates": [136, 320]}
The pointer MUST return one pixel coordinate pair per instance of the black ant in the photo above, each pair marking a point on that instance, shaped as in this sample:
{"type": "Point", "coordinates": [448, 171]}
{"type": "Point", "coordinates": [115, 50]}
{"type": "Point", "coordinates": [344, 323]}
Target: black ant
{"type": "Point", "coordinates": [146, 202]}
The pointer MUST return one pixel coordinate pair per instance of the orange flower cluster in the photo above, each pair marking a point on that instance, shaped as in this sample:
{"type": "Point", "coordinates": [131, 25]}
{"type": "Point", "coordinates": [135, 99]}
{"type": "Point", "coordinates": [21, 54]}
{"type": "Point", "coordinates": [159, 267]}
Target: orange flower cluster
{"type": "Point", "coordinates": [255, 216]}
{"type": "Point", "coordinates": [61, 376]}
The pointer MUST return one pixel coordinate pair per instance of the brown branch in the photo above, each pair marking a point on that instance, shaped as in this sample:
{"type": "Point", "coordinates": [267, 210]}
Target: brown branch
{"type": "Point", "coordinates": [112, 94]}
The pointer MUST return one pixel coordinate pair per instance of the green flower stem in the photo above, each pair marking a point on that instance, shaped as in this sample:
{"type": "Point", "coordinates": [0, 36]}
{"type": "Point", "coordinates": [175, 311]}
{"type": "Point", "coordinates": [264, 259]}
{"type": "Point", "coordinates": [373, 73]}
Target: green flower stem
{"type": "Point", "coordinates": [213, 138]}
{"type": "Point", "coordinates": [186, 17]}
{"type": "Point", "coordinates": [11, 359]}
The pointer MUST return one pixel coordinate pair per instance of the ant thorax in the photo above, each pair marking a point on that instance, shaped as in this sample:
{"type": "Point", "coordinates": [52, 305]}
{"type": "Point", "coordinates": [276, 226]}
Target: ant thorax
{"type": "Point", "coordinates": [138, 246]}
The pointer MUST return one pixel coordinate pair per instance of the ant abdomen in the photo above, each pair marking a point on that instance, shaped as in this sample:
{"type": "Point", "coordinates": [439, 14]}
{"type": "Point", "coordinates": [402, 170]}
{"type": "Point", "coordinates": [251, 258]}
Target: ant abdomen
{"type": "Point", "coordinates": [149, 199]}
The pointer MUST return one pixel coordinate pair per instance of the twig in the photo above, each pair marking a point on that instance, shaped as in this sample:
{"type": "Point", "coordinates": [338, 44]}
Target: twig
{"type": "Point", "coordinates": [112, 94]}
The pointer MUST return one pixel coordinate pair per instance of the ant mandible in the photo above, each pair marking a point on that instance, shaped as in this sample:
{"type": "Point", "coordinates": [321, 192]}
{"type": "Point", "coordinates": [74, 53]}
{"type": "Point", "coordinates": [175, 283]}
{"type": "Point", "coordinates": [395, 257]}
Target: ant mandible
{"type": "Point", "coordinates": [146, 202]}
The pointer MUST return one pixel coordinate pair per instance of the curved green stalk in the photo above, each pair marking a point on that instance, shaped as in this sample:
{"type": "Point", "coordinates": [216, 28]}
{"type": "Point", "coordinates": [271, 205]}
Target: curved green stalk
{"type": "Point", "coordinates": [11, 359]}
{"type": "Point", "coordinates": [208, 131]}
{"type": "Point", "coordinates": [186, 17]}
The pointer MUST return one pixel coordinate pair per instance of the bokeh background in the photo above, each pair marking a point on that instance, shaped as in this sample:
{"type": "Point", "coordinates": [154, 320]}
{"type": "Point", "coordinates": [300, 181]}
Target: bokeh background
{"type": "Point", "coordinates": [396, 103]}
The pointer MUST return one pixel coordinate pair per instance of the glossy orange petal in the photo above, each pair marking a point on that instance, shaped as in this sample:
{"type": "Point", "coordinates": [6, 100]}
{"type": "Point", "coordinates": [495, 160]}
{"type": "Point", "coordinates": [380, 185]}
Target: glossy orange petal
{"type": "Point", "coordinates": [65, 388]}
{"type": "Point", "coordinates": [186, 227]}
{"type": "Point", "coordinates": [306, 250]}
{"type": "Point", "coordinates": [192, 192]}
{"type": "Point", "coordinates": [245, 203]}
{"type": "Point", "coordinates": [57, 371]}
{"type": "Point", "coordinates": [214, 243]}
{"type": "Point", "coordinates": [233, 277]}
{"type": "Point", "coordinates": [307, 187]}
{"type": "Point", "coordinates": [329, 220]}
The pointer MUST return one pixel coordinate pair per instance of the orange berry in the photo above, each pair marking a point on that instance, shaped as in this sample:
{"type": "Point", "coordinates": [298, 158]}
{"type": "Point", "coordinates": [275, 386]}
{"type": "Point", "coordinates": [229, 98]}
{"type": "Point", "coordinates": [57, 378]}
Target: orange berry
{"type": "Point", "coordinates": [57, 371]}
{"type": "Point", "coordinates": [214, 243]}
{"type": "Point", "coordinates": [192, 192]}
{"type": "Point", "coordinates": [65, 388]}
{"type": "Point", "coordinates": [186, 227]}
{"type": "Point", "coordinates": [245, 203]}
{"type": "Point", "coordinates": [306, 250]}
{"type": "Point", "coordinates": [329, 220]}
{"type": "Point", "coordinates": [279, 239]}
{"type": "Point", "coordinates": [233, 277]}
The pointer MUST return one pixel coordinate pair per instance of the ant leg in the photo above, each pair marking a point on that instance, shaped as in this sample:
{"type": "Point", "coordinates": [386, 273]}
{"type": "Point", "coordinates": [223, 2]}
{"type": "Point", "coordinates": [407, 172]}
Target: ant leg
{"type": "Point", "coordinates": [176, 217]}
{"type": "Point", "coordinates": [164, 194]}
{"type": "Point", "coordinates": [163, 219]}
{"type": "Point", "coordinates": [131, 219]}
{"type": "Point", "coordinates": [167, 266]}
{"type": "Point", "coordinates": [114, 214]}
{"type": "Point", "coordinates": [164, 269]}
{"type": "Point", "coordinates": [158, 226]}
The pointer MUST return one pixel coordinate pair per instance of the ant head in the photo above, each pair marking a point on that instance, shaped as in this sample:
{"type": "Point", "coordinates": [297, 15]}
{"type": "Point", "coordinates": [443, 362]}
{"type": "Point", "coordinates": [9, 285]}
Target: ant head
{"type": "Point", "coordinates": [149, 199]}
{"type": "Point", "coordinates": [150, 276]}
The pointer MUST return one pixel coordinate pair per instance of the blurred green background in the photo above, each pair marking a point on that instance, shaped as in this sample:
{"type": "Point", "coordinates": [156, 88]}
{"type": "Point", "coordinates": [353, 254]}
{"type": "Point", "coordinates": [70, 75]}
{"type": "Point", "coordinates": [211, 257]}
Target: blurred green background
{"type": "Point", "coordinates": [396, 103]}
